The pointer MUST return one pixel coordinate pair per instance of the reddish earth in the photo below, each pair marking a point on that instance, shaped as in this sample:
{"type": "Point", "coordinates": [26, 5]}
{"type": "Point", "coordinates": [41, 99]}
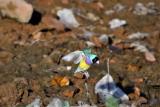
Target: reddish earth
{"type": "Point", "coordinates": [30, 55]}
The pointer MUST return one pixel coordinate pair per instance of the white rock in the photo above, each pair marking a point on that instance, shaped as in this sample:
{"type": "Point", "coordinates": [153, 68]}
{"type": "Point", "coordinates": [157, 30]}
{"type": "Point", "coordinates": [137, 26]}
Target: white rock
{"type": "Point", "coordinates": [88, 34]}
{"type": "Point", "coordinates": [104, 38]}
{"type": "Point", "coordinates": [109, 12]}
{"type": "Point", "coordinates": [35, 103]}
{"type": "Point", "coordinates": [56, 102]}
{"type": "Point", "coordinates": [118, 7]}
{"type": "Point", "coordinates": [115, 23]}
{"type": "Point", "coordinates": [90, 44]}
{"type": "Point", "coordinates": [16, 9]}
{"type": "Point", "coordinates": [140, 9]}
{"type": "Point", "coordinates": [92, 17]}
{"type": "Point", "coordinates": [67, 18]}
{"type": "Point", "coordinates": [139, 47]}
{"type": "Point", "coordinates": [69, 68]}
{"type": "Point", "coordinates": [138, 35]}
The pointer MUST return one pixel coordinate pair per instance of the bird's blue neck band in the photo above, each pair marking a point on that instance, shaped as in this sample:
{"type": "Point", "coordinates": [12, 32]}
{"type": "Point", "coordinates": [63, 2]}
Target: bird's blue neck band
{"type": "Point", "coordinates": [88, 60]}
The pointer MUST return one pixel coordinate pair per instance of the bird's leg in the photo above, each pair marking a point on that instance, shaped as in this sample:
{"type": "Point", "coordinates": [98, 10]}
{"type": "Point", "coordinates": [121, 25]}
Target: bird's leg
{"type": "Point", "coordinates": [86, 74]}
{"type": "Point", "coordinates": [87, 90]}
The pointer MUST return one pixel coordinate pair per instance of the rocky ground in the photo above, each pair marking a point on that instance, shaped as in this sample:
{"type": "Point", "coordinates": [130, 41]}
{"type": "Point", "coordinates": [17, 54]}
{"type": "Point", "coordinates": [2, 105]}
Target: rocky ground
{"type": "Point", "coordinates": [30, 55]}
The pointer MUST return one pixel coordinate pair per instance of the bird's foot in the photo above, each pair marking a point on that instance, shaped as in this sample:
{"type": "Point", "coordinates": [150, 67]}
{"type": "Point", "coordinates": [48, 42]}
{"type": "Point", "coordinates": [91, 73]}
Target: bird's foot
{"type": "Point", "coordinates": [86, 74]}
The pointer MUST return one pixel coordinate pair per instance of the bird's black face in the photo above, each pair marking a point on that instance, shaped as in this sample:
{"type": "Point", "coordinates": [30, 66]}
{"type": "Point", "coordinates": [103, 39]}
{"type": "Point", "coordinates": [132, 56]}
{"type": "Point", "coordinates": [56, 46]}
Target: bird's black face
{"type": "Point", "coordinates": [95, 60]}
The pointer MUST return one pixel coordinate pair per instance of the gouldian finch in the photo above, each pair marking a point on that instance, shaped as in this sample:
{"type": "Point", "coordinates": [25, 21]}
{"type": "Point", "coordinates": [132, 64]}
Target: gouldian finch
{"type": "Point", "coordinates": [84, 58]}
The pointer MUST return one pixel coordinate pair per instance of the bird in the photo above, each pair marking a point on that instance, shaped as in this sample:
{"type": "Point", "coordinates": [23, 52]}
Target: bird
{"type": "Point", "coordinates": [85, 58]}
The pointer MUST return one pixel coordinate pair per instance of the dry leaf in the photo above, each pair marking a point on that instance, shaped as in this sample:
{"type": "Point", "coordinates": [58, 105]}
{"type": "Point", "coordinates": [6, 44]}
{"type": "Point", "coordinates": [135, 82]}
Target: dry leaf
{"type": "Point", "coordinates": [54, 83]}
{"type": "Point", "coordinates": [64, 82]}
{"type": "Point", "coordinates": [56, 80]}
{"type": "Point", "coordinates": [60, 80]}
{"type": "Point", "coordinates": [71, 92]}
{"type": "Point", "coordinates": [132, 68]}
{"type": "Point", "coordinates": [68, 93]}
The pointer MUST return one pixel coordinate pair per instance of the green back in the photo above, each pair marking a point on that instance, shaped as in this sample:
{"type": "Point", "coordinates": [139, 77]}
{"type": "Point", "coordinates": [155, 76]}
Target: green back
{"type": "Point", "coordinates": [87, 51]}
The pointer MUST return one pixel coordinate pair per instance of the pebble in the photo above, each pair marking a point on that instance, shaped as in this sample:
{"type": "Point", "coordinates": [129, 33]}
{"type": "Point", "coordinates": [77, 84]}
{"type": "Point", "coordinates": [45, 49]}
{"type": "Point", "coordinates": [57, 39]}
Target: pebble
{"type": "Point", "coordinates": [15, 9]}
{"type": "Point", "coordinates": [67, 18]}
{"type": "Point", "coordinates": [115, 23]}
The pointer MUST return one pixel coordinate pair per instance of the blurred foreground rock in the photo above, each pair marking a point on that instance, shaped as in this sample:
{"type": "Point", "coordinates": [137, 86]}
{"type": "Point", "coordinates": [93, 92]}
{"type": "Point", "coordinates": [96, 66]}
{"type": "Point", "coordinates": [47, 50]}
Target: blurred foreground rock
{"type": "Point", "coordinates": [19, 10]}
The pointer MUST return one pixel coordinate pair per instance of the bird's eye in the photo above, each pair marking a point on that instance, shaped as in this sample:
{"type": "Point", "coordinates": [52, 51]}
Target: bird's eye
{"type": "Point", "coordinates": [95, 59]}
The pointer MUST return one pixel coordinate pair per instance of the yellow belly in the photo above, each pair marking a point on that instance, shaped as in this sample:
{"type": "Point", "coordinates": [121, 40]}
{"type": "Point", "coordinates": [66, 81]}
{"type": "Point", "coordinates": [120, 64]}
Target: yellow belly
{"type": "Point", "coordinates": [83, 65]}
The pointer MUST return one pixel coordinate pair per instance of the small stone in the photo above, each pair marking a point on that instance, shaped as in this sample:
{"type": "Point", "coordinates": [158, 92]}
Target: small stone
{"type": "Point", "coordinates": [150, 57]}
{"type": "Point", "coordinates": [115, 23]}
{"type": "Point", "coordinates": [109, 12]}
{"type": "Point", "coordinates": [79, 75]}
{"type": "Point", "coordinates": [37, 36]}
{"type": "Point", "coordinates": [71, 92]}
{"type": "Point", "coordinates": [98, 6]}
{"type": "Point", "coordinates": [92, 17]}
{"type": "Point", "coordinates": [118, 7]}
{"type": "Point", "coordinates": [90, 44]}
{"type": "Point", "coordinates": [140, 9]}
{"type": "Point", "coordinates": [15, 9]}
{"type": "Point", "coordinates": [66, 16]}
{"type": "Point", "coordinates": [104, 38]}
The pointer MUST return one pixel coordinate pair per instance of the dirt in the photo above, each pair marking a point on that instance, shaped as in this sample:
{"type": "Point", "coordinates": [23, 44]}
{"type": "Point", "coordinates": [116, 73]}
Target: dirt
{"type": "Point", "coordinates": [28, 62]}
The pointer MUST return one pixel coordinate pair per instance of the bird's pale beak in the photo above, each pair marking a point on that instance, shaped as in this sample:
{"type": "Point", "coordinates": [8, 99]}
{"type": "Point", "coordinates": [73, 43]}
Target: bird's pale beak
{"type": "Point", "coordinates": [97, 62]}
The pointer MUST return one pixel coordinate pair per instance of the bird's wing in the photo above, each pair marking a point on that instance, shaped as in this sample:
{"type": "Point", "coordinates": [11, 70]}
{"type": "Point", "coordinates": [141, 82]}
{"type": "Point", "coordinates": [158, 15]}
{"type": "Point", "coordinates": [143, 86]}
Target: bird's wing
{"type": "Point", "coordinates": [75, 56]}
